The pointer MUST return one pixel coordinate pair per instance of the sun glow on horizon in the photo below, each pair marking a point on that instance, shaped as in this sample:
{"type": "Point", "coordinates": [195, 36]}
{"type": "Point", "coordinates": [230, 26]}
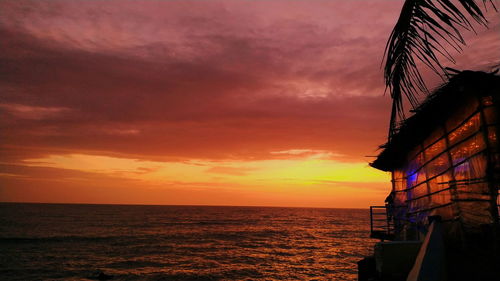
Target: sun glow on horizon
{"type": "Point", "coordinates": [308, 169]}
{"type": "Point", "coordinates": [299, 175]}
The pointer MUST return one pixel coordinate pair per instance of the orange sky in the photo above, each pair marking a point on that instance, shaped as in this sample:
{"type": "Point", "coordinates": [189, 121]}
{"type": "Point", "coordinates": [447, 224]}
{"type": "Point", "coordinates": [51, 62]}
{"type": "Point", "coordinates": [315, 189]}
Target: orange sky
{"type": "Point", "coordinates": [268, 103]}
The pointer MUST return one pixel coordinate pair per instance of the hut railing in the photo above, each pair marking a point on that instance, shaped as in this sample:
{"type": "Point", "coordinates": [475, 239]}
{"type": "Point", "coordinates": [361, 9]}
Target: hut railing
{"type": "Point", "coordinates": [381, 223]}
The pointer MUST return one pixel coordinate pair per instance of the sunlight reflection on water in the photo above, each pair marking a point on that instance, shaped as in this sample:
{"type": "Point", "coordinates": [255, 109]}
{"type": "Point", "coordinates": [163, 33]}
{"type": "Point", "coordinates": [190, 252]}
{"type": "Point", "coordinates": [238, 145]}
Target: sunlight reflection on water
{"type": "Point", "coordinates": [73, 242]}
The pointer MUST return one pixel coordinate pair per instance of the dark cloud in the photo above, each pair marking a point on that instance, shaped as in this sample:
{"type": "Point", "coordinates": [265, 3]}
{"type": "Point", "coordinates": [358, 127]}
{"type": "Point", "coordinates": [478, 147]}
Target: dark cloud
{"type": "Point", "coordinates": [210, 108]}
{"type": "Point", "coordinates": [174, 81]}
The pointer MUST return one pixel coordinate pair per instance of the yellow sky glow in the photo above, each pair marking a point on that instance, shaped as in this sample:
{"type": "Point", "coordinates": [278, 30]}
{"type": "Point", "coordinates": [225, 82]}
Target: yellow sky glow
{"type": "Point", "coordinates": [279, 178]}
{"type": "Point", "coordinates": [298, 171]}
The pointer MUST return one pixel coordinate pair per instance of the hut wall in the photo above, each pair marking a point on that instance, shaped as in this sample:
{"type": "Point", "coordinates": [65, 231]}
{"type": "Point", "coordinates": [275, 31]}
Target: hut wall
{"type": "Point", "coordinates": [450, 173]}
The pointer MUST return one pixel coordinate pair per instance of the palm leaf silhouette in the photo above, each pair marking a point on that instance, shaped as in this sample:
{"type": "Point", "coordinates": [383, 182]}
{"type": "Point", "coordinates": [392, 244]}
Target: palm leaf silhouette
{"type": "Point", "coordinates": [425, 30]}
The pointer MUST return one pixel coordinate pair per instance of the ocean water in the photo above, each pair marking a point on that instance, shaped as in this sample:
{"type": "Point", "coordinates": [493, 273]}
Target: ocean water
{"type": "Point", "coordinates": [78, 242]}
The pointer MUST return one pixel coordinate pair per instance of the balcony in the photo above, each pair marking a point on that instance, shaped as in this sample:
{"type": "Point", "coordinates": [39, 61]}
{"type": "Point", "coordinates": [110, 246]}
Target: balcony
{"type": "Point", "coordinates": [381, 223]}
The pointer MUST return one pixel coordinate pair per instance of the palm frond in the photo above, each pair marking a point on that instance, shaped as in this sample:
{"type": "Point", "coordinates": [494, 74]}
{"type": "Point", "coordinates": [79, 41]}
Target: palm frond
{"type": "Point", "coordinates": [425, 30]}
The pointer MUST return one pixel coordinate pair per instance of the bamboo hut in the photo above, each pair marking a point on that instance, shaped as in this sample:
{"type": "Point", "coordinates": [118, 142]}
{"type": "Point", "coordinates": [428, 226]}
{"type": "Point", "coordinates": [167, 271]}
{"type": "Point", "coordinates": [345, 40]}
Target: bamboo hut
{"type": "Point", "coordinates": [445, 164]}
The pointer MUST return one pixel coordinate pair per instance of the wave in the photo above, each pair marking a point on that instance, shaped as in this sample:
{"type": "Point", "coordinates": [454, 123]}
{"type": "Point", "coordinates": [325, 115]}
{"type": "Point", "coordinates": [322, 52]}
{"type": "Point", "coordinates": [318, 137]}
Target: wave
{"type": "Point", "coordinates": [51, 239]}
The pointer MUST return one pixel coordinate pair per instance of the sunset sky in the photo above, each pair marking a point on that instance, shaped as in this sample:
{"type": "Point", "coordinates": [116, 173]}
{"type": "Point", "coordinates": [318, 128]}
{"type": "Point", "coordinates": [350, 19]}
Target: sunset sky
{"type": "Point", "coordinates": [266, 103]}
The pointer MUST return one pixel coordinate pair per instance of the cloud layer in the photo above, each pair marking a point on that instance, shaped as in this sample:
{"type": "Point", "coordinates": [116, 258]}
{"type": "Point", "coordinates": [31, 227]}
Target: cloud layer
{"type": "Point", "coordinates": [180, 81]}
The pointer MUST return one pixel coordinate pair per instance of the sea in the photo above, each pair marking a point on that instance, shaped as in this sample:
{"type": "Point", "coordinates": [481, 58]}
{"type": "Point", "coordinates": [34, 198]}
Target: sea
{"type": "Point", "coordinates": [139, 242]}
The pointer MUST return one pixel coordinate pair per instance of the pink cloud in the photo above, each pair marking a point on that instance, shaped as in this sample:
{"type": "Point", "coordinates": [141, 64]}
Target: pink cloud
{"type": "Point", "coordinates": [32, 112]}
{"type": "Point", "coordinates": [198, 79]}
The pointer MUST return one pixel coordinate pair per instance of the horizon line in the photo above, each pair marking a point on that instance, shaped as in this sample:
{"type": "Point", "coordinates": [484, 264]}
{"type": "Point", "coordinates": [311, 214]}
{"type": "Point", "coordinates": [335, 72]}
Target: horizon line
{"type": "Point", "coordinates": [177, 205]}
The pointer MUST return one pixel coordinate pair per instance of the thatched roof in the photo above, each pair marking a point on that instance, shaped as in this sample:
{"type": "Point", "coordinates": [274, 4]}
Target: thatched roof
{"type": "Point", "coordinates": [433, 112]}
